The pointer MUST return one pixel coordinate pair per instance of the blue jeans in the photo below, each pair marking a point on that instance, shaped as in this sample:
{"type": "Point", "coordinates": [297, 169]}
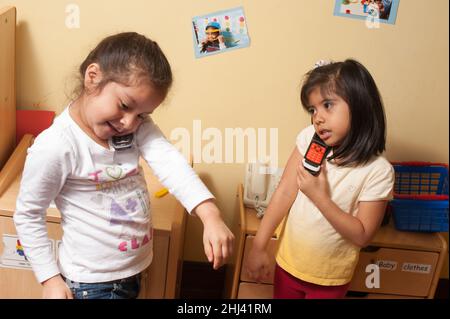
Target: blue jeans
{"type": "Point", "coordinates": [127, 288]}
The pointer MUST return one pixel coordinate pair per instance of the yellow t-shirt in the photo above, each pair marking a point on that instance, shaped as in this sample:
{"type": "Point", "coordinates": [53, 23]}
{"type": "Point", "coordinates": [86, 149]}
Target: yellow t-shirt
{"type": "Point", "coordinates": [310, 248]}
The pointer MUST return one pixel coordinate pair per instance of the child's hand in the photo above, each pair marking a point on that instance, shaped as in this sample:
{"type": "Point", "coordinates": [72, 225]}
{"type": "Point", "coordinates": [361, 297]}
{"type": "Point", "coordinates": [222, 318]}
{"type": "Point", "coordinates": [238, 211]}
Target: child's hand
{"type": "Point", "coordinates": [314, 187]}
{"type": "Point", "coordinates": [56, 288]}
{"type": "Point", "coordinates": [221, 39]}
{"type": "Point", "coordinates": [257, 265]}
{"type": "Point", "coordinates": [218, 242]}
{"type": "Point", "coordinates": [217, 238]}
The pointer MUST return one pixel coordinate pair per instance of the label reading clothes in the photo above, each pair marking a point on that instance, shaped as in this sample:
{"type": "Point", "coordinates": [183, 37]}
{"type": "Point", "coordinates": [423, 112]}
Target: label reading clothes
{"type": "Point", "coordinates": [418, 268]}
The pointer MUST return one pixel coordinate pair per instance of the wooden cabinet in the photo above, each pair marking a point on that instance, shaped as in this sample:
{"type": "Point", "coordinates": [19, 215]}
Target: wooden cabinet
{"type": "Point", "coordinates": [409, 264]}
{"type": "Point", "coordinates": [160, 280]}
{"type": "Point", "coordinates": [7, 82]}
{"type": "Point", "coordinates": [402, 271]}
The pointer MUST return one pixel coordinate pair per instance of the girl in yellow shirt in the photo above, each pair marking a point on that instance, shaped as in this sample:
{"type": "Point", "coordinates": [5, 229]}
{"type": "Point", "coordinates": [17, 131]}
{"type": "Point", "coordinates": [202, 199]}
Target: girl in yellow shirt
{"type": "Point", "coordinates": [334, 214]}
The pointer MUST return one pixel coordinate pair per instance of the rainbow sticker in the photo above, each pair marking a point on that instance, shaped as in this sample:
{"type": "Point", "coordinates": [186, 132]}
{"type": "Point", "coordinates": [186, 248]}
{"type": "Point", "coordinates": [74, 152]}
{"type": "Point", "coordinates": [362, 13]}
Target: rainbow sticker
{"type": "Point", "coordinates": [19, 250]}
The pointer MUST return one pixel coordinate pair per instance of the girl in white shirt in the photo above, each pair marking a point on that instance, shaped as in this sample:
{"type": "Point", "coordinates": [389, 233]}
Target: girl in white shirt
{"type": "Point", "coordinates": [87, 162]}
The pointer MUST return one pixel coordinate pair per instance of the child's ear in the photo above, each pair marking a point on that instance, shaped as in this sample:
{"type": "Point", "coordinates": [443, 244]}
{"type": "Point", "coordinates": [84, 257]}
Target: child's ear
{"type": "Point", "coordinates": [92, 76]}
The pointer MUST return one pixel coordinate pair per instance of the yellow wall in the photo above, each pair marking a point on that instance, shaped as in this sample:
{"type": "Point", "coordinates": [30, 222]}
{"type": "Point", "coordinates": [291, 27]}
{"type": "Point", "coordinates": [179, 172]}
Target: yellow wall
{"type": "Point", "coordinates": [256, 86]}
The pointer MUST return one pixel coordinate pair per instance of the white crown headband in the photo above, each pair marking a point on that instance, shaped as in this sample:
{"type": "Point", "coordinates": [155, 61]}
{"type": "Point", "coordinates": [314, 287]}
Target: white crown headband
{"type": "Point", "coordinates": [322, 63]}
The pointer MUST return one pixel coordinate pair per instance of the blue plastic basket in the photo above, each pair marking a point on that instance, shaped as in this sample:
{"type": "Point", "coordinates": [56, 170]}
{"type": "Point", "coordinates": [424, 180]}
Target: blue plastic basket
{"type": "Point", "coordinates": [420, 197]}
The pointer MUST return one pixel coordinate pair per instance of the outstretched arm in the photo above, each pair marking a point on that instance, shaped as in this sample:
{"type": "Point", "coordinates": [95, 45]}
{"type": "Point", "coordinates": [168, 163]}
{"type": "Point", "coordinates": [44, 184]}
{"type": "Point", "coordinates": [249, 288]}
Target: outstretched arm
{"type": "Point", "coordinates": [280, 203]}
{"type": "Point", "coordinates": [177, 175]}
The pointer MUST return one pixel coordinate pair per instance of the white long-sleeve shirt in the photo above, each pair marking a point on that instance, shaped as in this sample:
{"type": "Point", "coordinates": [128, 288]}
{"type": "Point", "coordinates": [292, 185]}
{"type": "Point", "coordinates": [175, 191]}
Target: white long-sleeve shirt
{"type": "Point", "coordinates": [103, 199]}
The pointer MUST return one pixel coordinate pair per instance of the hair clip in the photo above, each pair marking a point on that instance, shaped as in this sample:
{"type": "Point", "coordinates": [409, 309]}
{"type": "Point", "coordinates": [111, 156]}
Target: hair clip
{"type": "Point", "coordinates": [321, 63]}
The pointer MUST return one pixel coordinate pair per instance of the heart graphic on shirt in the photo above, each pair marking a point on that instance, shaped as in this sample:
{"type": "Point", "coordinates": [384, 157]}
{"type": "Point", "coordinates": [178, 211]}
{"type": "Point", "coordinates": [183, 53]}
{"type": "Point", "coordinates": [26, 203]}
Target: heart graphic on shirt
{"type": "Point", "coordinates": [114, 172]}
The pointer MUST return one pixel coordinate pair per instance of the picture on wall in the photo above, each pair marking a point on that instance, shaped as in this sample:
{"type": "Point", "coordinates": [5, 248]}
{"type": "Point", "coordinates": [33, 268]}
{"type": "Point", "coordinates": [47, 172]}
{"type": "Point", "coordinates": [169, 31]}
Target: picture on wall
{"type": "Point", "coordinates": [220, 32]}
{"type": "Point", "coordinates": [384, 11]}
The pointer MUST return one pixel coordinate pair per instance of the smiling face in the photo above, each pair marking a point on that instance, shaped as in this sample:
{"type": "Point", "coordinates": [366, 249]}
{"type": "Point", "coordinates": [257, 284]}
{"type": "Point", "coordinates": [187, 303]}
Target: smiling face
{"type": "Point", "coordinates": [331, 116]}
{"type": "Point", "coordinates": [116, 109]}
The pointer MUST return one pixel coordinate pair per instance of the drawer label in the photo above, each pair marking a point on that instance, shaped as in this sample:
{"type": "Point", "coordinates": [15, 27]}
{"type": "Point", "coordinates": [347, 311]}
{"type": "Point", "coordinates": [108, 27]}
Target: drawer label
{"type": "Point", "coordinates": [418, 268]}
{"type": "Point", "coordinates": [386, 264]}
{"type": "Point", "coordinates": [13, 255]}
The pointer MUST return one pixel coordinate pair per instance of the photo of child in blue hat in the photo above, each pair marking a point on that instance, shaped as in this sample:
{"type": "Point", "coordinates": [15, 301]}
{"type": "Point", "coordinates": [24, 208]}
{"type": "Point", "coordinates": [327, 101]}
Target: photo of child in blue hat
{"type": "Point", "coordinates": [219, 32]}
{"type": "Point", "coordinates": [214, 40]}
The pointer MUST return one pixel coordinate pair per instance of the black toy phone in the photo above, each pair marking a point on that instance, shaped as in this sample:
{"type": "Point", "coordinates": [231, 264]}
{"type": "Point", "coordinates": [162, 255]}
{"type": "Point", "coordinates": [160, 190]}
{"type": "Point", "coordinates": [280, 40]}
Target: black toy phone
{"type": "Point", "coordinates": [315, 154]}
{"type": "Point", "coordinates": [122, 142]}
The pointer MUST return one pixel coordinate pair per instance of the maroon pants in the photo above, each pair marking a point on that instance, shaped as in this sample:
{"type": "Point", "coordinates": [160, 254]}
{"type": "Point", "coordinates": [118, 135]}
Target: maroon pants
{"type": "Point", "coordinates": [287, 286]}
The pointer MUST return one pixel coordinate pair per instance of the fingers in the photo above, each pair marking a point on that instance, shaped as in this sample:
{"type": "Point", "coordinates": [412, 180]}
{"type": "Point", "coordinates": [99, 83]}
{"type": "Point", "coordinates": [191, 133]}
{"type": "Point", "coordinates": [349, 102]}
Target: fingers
{"type": "Point", "coordinates": [213, 252]}
{"type": "Point", "coordinates": [225, 252]}
{"type": "Point", "coordinates": [266, 273]}
{"type": "Point", "coordinates": [261, 275]}
{"type": "Point", "coordinates": [219, 251]}
{"type": "Point", "coordinates": [208, 251]}
{"type": "Point", "coordinates": [229, 244]}
{"type": "Point", "coordinates": [218, 243]}
{"type": "Point", "coordinates": [218, 258]}
{"type": "Point", "coordinates": [254, 275]}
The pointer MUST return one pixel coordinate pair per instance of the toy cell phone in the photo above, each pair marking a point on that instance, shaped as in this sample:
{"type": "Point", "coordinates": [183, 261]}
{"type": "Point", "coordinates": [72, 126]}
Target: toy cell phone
{"type": "Point", "coordinates": [122, 142]}
{"type": "Point", "coordinates": [315, 154]}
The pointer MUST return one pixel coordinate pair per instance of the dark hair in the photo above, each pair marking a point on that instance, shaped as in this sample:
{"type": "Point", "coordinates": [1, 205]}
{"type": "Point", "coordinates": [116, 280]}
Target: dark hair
{"type": "Point", "coordinates": [128, 57]}
{"type": "Point", "coordinates": [354, 84]}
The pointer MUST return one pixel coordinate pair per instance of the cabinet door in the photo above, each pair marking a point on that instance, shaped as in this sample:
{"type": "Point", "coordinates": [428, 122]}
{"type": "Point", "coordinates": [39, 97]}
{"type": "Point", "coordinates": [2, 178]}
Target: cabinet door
{"type": "Point", "coordinates": [401, 272]}
{"type": "Point", "coordinates": [272, 246]}
{"type": "Point", "coordinates": [153, 282]}
{"type": "Point", "coordinates": [18, 282]}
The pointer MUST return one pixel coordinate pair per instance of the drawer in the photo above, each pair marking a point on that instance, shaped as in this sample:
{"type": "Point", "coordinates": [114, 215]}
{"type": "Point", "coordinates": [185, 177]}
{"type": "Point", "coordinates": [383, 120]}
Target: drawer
{"type": "Point", "coordinates": [248, 290]}
{"type": "Point", "coordinates": [272, 246]}
{"type": "Point", "coordinates": [401, 272]}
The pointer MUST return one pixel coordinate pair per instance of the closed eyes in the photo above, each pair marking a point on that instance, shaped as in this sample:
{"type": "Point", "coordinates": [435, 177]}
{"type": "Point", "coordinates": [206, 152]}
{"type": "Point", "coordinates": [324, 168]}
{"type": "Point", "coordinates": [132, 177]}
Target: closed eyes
{"type": "Point", "coordinates": [141, 116]}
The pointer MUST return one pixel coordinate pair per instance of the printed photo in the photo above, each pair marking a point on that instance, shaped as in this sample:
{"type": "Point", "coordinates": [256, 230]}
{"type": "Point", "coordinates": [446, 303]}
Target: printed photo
{"type": "Point", "coordinates": [219, 32]}
{"type": "Point", "coordinates": [384, 11]}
